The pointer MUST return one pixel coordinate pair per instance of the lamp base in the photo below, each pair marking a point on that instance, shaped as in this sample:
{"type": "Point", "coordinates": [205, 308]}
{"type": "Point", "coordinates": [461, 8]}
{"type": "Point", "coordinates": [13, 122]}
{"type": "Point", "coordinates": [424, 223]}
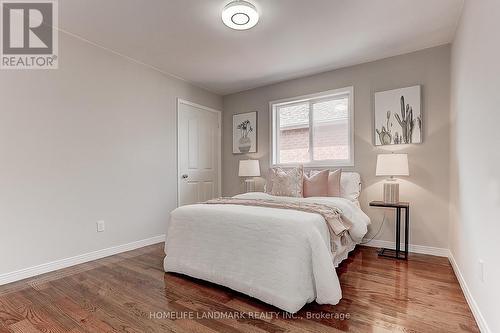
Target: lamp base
{"type": "Point", "coordinates": [391, 192]}
{"type": "Point", "coordinates": [249, 185]}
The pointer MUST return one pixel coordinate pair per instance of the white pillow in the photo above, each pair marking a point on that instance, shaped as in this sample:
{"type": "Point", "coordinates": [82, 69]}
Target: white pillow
{"type": "Point", "coordinates": [350, 185]}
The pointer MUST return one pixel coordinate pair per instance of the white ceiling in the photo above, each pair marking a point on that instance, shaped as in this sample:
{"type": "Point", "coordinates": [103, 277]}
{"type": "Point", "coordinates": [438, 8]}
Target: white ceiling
{"type": "Point", "coordinates": [186, 38]}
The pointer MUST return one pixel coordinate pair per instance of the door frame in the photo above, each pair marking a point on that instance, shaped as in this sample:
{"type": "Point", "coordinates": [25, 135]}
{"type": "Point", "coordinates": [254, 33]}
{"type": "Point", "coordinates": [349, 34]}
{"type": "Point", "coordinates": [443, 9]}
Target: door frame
{"type": "Point", "coordinates": [219, 143]}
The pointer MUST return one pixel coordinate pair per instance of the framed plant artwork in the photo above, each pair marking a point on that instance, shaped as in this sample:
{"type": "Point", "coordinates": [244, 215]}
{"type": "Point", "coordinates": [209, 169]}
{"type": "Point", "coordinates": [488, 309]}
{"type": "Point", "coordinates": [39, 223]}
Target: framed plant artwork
{"type": "Point", "coordinates": [245, 133]}
{"type": "Point", "coordinates": [398, 116]}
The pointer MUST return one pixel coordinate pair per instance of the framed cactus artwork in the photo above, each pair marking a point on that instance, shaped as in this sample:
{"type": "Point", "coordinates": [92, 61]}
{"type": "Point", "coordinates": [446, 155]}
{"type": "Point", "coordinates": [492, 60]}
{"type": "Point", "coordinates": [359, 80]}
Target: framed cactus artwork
{"type": "Point", "coordinates": [398, 116]}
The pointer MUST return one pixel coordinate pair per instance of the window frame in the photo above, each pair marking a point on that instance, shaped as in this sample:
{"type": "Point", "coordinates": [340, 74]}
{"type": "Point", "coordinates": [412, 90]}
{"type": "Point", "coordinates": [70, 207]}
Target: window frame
{"type": "Point", "coordinates": [311, 98]}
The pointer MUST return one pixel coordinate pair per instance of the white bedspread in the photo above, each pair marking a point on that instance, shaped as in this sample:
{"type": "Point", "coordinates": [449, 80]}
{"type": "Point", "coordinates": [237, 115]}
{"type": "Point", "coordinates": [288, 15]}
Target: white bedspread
{"type": "Point", "coordinates": [279, 256]}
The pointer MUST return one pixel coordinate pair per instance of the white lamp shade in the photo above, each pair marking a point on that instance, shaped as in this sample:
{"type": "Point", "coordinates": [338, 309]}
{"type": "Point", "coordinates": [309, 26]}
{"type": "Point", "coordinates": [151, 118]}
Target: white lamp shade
{"type": "Point", "coordinates": [392, 165]}
{"type": "Point", "coordinates": [249, 168]}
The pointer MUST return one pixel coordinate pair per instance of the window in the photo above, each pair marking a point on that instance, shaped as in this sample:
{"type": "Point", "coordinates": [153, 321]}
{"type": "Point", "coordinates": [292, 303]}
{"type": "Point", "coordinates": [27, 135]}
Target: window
{"type": "Point", "coordinates": [314, 130]}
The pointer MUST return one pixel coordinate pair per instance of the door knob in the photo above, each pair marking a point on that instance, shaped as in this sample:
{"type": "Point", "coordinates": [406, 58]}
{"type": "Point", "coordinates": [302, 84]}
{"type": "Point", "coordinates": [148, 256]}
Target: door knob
{"type": "Point", "coordinates": [184, 176]}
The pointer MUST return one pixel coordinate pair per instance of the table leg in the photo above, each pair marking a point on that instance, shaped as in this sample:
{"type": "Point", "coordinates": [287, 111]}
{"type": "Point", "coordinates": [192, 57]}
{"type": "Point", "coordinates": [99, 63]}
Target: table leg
{"type": "Point", "coordinates": [398, 231]}
{"type": "Point", "coordinates": [407, 226]}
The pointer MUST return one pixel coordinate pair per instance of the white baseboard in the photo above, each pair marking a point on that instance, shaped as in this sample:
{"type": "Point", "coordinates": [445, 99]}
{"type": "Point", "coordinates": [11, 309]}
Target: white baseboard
{"type": "Point", "coordinates": [481, 322]}
{"type": "Point", "coordinates": [80, 259]}
{"type": "Point", "coordinates": [434, 251]}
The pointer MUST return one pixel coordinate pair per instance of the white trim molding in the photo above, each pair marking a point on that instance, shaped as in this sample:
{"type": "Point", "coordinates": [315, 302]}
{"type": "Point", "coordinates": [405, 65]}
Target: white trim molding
{"type": "Point", "coordinates": [481, 322]}
{"type": "Point", "coordinates": [434, 251]}
{"type": "Point", "coordinates": [79, 259]}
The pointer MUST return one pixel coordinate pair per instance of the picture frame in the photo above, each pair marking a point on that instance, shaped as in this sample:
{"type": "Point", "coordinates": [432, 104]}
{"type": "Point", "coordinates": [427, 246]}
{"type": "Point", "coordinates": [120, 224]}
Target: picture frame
{"type": "Point", "coordinates": [398, 116]}
{"type": "Point", "coordinates": [245, 133]}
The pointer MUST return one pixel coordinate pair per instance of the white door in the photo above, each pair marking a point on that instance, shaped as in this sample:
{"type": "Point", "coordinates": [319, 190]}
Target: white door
{"type": "Point", "coordinates": [199, 151]}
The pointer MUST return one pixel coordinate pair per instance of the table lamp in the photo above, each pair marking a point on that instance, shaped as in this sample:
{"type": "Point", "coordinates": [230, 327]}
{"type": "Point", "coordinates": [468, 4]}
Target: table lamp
{"type": "Point", "coordinates": [392, 165]}
{"type": "Point", "coordinates": [248, 169]}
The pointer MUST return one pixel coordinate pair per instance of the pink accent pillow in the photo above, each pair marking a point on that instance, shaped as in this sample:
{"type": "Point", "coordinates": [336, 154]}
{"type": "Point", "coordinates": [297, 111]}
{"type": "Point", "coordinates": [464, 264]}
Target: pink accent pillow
{"type": "Point", "coordinates": [317, 184]}
{"type": "Point", "coordinates": [334, 183]}
{"type": "Point", "coordinates": [333, 187]}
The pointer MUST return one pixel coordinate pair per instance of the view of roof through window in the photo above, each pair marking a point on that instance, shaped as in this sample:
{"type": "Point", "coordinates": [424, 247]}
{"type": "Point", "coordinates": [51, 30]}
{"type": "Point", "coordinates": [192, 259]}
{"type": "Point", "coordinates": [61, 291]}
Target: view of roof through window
{"type": "Point", "coordinates": [297, 115]}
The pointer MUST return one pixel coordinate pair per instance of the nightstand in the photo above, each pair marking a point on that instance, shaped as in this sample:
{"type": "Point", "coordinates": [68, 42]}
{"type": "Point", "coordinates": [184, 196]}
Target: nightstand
{"type": "Point", "coordinates": [398, 253]}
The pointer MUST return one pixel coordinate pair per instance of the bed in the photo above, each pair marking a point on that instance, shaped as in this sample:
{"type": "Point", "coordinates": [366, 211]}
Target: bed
{"type": "Point", "coordinates": [282, 257]}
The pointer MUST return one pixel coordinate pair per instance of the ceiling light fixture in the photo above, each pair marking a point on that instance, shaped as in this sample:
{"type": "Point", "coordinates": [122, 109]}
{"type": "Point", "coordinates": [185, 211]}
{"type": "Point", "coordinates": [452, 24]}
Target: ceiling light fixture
{"type": "Point", "coordinates": [240, 15]}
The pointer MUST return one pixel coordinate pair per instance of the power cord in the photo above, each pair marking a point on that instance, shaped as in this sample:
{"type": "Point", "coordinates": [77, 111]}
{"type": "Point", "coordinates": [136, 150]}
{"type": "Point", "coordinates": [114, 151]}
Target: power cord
{"type": "Point", "coordinates": [378, 231]}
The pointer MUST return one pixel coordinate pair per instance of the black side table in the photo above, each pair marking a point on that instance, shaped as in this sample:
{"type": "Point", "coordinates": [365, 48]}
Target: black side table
{"type": "Point", "coordinates": [390, 253]}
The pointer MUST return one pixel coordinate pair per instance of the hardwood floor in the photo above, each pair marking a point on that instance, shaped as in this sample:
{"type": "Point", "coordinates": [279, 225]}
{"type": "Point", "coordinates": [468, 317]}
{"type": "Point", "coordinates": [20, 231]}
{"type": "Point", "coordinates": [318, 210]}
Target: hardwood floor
{"type": "Point", "coordinates": [130, 292]}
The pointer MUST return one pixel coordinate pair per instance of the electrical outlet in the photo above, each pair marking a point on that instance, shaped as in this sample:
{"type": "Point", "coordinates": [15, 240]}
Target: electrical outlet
{"type": "Point", "coordinates": [481, 270]}
{"type": "Point", "coordinates": [100, 226]}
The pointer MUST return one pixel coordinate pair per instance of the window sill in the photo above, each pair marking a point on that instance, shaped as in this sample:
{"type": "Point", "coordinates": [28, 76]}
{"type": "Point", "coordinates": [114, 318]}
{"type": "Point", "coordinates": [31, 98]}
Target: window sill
{"type": "Point", "coordinates": [326, 164]}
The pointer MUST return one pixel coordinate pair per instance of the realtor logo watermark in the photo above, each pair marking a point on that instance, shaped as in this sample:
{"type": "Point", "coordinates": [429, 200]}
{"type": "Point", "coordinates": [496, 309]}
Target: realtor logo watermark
{"type": "Point", "coordinates": [28, 37]}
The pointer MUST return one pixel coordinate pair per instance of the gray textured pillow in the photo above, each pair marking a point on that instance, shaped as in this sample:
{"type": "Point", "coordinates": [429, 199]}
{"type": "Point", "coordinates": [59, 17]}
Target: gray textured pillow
{"type": "Point", "coordinates": [288, 183]}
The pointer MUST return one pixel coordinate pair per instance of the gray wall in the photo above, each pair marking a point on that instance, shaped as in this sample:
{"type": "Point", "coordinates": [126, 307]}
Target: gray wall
{"type": "Point", "coordinates": [475, 156]}
{"type": "Point", "coordinates": [92, 140]}
{"type": "Point", "coordinates": [428, 187]}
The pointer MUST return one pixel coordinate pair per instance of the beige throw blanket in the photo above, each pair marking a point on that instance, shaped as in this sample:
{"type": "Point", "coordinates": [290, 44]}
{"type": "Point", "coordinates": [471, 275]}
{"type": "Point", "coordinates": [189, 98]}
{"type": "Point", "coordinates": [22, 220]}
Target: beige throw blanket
{"type": "Point", "coordinates": [332, 215]}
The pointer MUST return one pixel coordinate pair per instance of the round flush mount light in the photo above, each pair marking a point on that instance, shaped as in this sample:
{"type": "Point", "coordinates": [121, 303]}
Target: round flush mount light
{"type": "Point", "coordinates": [240, 15]}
